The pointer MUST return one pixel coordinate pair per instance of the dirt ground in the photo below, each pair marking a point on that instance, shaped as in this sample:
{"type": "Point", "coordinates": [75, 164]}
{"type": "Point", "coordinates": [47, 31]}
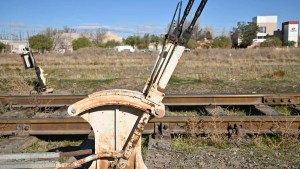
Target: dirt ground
{"type": "Point", "coordinates": [161, 156]}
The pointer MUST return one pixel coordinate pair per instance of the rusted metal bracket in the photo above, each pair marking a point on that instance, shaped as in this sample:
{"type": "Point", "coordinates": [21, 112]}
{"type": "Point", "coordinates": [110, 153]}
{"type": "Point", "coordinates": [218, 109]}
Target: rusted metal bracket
{"type": "Point", "coordinates": [22, 130]}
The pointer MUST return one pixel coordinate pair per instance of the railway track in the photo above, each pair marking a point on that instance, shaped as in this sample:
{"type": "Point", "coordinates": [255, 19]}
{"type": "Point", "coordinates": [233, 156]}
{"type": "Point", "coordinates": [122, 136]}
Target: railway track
{"type": "Point", "coordinates": [169, 100]}
{"type": "Point", "coordinates": [263, 118]}
{"type": "Point", "coordinates": [164, 126]}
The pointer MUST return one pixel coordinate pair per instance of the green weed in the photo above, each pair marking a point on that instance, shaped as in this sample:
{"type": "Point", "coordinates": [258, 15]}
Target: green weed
{"type": "Point", "coordinates": [283, 110]}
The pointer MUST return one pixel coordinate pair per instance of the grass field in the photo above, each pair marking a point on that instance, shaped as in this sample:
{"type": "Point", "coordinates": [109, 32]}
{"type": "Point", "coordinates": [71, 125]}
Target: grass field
{"type": "Point", "coordinates": [198, 72]}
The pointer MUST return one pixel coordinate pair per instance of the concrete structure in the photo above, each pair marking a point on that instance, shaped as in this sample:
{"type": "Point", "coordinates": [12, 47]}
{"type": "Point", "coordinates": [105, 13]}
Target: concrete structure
{"type": "Point", "coordinates": [267, 25]}
{"type": "Point", "coordinates": [63, 42]}
{"type": "Point", "coordinates": [290, 31]}
{"type": "Point", "coordinates": [15, 46]}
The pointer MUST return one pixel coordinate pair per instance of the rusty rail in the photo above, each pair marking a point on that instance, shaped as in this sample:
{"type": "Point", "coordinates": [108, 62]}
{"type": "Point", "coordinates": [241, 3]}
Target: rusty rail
{"type": "Point", "coordinates": [174, 124]}
{"type": "Point", "coordinates": [230, 125]}
{"type": "Point", "coordinates": [169, 100]}
{"type": "Point", "coordinates": [169, 124]}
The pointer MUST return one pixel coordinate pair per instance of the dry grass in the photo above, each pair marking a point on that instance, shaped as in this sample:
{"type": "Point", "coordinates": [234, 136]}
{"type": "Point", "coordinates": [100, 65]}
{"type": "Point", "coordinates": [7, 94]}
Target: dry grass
{"type": "Point", "coordinates": [200, 71]}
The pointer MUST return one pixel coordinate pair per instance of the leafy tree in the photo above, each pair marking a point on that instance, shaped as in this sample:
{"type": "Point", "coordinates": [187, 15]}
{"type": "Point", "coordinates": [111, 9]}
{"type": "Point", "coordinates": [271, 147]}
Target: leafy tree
{"type": "Point", "coordinates": [247, 32]}
{"type": "Point", "coordinates": [143, 42]}
{"type": "Point", "coordinates": [192, 44]}
{"type": "Point", "coordinates": [81, 42]}
{"type": "Point", "coordinates": [40, 42]}
{"type": "Point", "coordinates": [131, 40]}
{"type": "Point", "coordinates": [222, 42]}
{"type": "Point", "coordinates": [271, 42]}
{"type": "Point", "coordinates": [290, 44]}
{"type": "Point", "coordinates": [66, 29]}
{"type": "Point", "coordinates": [2, 46]}
{"type": "Point", "coordinates": [156, 40]}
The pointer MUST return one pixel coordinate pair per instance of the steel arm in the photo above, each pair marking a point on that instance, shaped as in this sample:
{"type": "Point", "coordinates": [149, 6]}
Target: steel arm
{"type": "Point", "coordinates": [170, 54]}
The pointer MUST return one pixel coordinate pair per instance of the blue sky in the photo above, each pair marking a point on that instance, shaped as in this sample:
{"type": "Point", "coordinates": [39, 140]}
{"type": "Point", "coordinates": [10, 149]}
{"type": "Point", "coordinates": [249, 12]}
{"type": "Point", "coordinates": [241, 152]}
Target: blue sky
{"type": "Point", "coordinates": [134, 16]}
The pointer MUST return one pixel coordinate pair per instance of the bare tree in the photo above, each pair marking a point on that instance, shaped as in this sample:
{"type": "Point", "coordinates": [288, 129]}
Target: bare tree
{"type": "Point", "coordinates": [56, 36]}
{"type": "Point", "coordinates": [66, 29]}
{"type": "Point", "coordinates": [196, 30]}
{"type": "Point", "coordinates": [99, 36]}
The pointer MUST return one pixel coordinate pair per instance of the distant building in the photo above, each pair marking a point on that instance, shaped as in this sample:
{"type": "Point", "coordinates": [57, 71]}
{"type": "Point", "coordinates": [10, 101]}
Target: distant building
{"type": "Point", "coordinates": [63, 42]}
{"type": "Point", "coordinates": [15, 46]}
{"type": "Point", "coordinates": [290, 31]}
{"type": "Point", "coordinates": [267, 25]}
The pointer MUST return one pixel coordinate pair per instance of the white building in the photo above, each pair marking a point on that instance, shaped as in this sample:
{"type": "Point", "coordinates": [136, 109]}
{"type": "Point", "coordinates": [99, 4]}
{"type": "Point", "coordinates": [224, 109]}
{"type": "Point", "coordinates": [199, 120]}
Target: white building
{"type": "Point", "coordinates": [290, 32]}
{"type": "Point", "coordinates": [267, 25]}
{"type": "Point", "coordinates": [15, 46]}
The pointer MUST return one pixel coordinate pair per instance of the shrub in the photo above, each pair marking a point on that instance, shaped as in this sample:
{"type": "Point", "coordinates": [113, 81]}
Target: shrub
{"type": "Point", "coordinates": [2, 46]}
{"type": "Point", "coordinates": [290, 44]}
{"type": "Point", "coordinates": [81, 42]}
{"type": "Point", "coordinates": [271, 42]}
{"type": "Point", "coordinates": [192, 44]}
{"type": "Point", "coordinates": [109, 44]}
{"type": "Point", "coordinates": [222, 42]}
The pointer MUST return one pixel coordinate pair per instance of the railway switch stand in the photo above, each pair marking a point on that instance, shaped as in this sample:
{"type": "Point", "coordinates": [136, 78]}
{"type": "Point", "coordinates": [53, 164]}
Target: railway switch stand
{"type": "Point", "coordinates": [29, 63]}
{"type": "Point", "coordinates": [118, 117]}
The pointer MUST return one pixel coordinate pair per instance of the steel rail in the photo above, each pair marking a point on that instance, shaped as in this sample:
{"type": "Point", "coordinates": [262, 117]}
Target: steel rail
{"type": "Point", "coordinates": [169, 100]}
{"type": "Point", "coordinates": [171, 124]}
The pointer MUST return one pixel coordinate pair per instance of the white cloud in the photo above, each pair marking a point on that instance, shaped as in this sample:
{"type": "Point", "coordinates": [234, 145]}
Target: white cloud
{"type": "Point", "coordinates": [132, 29]}
{"type": "Point", "coordinates": [151, 29]}
{"type": "Point", "coordinates": [14, 25]}
{"type": "Point", "coordinates": [94, 26]}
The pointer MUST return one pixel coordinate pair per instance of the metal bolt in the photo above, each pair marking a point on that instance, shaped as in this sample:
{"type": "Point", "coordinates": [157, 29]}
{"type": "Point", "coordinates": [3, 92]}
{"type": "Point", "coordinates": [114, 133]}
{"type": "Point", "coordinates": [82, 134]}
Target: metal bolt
{"type": "Point", "coordinates": [26, 128]}
{"type": "Point", "coordinates": [157, 112]}
{"type": "Point", "coordinates": [73, 110]}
